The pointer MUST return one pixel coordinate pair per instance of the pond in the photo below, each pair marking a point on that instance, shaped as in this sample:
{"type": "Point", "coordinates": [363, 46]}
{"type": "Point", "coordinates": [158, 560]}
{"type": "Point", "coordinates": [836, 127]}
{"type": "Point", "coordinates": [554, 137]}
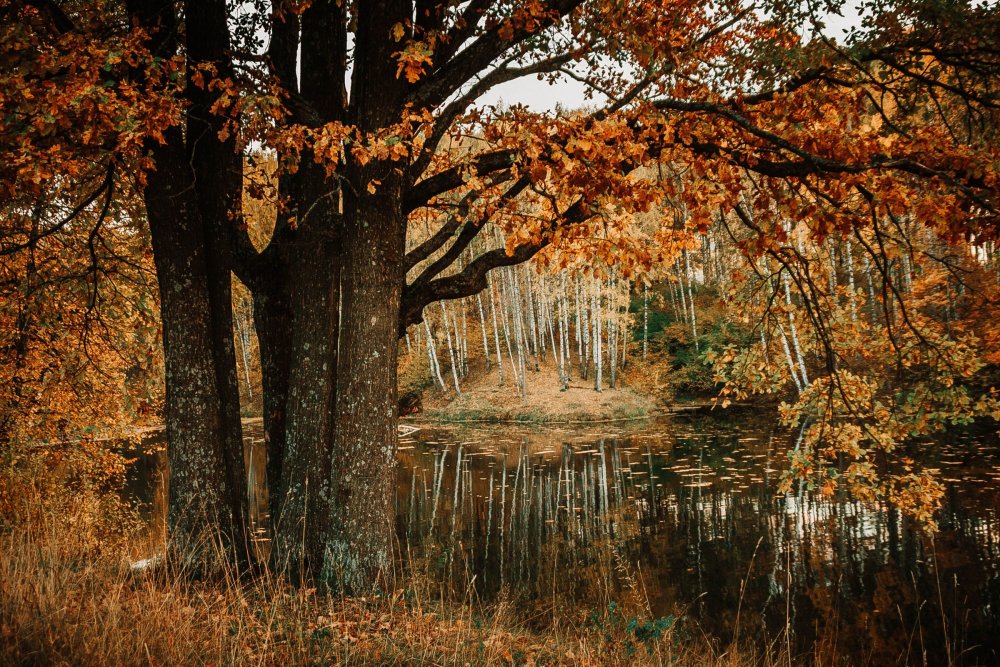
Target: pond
{"type": "Point", "coordinates": [681, 516]}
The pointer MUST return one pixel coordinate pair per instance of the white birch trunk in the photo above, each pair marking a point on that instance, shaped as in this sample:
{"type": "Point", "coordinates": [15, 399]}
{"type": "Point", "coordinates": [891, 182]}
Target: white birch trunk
{"type": "Point", "coordinates": [530, 316]}
{"type": "Point", "coordinates": [496, 334]}
{"type": "Point", "coordinates": [465, 339]}
{"type": "Point", "coordinates": [564, 326]}
{"type": "Point", "coordinates": [596, 317]}
{"type": "Point", "coordinates": [763, 345]}
{"type": "Point", "coordinates": [482, 326]}
{"type": "Point", "coordinates": [451, 349]}
{"type": "Point", "coordinates": [432, 358]}
{"type": "Point", "coordinates": [243, 334]}
{"type": "Point", "coordinates": [612, 336]}
{"type": "Point", "coordinates": [871, 289]}
{"type": "Point", "coordinates": [645, 321]}
{"type": "Point", "coordinates": [788, 357]}
{"type": "Point", "coordinates": [505, 298]}
{"type": "Point", "coordinates": [794, 333]}
{"type": "Point", "coordinates": [519, 334]}
{"type": "Point", "coordinates": [683, 292]}
{"type": "Point", "coordinates": [853, 297]}
{"type": "Point", "coordinates": [563, 334]}
{"type": "Point", "coordinates": [694, 320]}
{"type": "Point", "coordinates": [582, 329]}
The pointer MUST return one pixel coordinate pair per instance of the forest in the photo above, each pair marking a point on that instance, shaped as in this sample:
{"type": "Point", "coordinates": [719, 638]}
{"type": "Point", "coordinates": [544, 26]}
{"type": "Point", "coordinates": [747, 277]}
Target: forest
{"type": "Point", "coordinates": [320, 345]}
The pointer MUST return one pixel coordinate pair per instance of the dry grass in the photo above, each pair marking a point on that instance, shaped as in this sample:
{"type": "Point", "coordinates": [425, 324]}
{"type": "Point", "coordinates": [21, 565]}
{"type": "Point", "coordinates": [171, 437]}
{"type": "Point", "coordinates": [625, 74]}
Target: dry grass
{"type": "Point", "coordinates": [483, 399]}
{"type": "Point", "coordinates": [69, 597]}
{"type": "Point", "coordinates": [64, 611]}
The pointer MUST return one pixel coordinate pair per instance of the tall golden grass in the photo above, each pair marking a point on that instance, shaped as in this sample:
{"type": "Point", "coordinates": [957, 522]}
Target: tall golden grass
{"type": "Point", "coordinates": [70, 596]}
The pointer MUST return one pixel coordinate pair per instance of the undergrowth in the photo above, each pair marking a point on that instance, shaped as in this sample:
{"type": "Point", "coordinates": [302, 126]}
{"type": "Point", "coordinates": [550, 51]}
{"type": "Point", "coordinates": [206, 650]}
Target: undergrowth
{"type": "Point", "coordinates": [69, 595]}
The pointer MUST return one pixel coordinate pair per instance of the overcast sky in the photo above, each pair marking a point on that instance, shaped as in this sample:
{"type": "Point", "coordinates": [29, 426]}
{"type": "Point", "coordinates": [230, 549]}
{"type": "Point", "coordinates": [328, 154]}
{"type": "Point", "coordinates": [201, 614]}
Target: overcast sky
{"type": "Point", "coordinates": [542, 96]}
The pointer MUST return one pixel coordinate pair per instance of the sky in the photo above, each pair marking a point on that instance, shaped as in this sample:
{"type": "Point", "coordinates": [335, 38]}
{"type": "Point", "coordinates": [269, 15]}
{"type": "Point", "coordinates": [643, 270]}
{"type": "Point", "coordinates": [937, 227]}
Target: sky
{"type": "Point", "coordinates": [541, 96]}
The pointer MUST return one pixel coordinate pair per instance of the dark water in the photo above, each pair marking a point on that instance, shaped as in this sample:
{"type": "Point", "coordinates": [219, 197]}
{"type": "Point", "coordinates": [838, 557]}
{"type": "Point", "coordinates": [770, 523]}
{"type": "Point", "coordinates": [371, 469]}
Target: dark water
{"type": "Point", "coordinates": [680, 517]}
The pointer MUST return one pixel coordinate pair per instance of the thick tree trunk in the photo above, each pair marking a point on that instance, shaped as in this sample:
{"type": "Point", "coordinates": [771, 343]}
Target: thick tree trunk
{"type": "Point", "coordinates": [217, 167]}
{"type": "Point", "coordinates": [272, 311]}
{"type": "Point", "coordinates": [190, 201]}
{"type": "Point", "coordinates": [207, 483]}
{"type": "Point", "coordinates": [359, 540]}
{"type": "Point", "coordinates": [303, 502]}
{"type": "Point", "coordinates": [294, 285]}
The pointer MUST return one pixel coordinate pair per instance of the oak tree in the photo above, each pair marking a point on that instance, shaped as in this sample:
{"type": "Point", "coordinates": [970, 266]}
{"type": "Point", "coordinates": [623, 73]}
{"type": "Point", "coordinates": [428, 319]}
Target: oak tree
{"type": "Point", "coordinates": [371, 112]}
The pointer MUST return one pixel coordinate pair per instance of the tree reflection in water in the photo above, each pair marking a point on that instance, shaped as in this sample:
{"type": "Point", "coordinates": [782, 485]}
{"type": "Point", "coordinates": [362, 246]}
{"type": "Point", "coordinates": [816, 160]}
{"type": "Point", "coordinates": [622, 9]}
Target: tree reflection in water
{"type": "Point", "coordinates": [684, 513]}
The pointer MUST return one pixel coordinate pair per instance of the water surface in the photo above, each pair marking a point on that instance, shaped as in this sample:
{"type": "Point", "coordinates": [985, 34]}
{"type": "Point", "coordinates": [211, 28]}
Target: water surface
{"type": "Point", "coordinates": [681, 517]}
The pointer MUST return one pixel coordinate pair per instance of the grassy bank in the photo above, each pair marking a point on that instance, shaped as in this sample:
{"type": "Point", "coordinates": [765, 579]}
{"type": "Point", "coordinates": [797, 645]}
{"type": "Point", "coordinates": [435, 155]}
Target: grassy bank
{"type": "Point", "coordinates": [68, 596]}
{"type": "Point", "coordinates": [484, 400]}
{"type": "Point", "coordinates": [59, 608]}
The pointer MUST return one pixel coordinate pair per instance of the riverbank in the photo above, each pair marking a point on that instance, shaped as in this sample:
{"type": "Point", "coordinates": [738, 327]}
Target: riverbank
{"type": "Point", "coordinates": [693, 588]}
{"type": "Point", "coordinates": [484, 400]}
{"type": "Point", "coordinates": [60, 604]}
{"type": "Point", "coordinates": [68, 596]}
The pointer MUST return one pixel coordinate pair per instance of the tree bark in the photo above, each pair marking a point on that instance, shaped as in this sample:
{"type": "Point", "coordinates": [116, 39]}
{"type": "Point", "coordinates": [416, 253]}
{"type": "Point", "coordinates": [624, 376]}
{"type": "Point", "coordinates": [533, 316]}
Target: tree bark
{"type": "Point", "coordinates": [272, 313]}
{"type": "Point", "coordinates": [359, 541]}
{"type": "Point", "coordinates": [496, 335]}
{"type": "Point", "coordinates": [207, 482]}
{"type": "Point", "coordinates": [303, 501]}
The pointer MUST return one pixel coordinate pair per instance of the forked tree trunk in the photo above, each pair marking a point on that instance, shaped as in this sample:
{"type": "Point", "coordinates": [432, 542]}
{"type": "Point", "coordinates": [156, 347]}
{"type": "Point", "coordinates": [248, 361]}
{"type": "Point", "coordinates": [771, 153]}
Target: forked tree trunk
{"type": "Point", "coordinates": [332, 508]}
{"type": "Point", "coordinates": [190, 199]}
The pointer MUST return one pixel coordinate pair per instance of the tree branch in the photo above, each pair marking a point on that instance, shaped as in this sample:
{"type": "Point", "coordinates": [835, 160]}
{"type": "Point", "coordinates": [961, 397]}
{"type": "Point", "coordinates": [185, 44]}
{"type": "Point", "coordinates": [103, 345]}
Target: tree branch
{"type": "Point", "coordinates": [465, 237]}
{"type": "Point", "coordinates": [449, 179]}
{"type": "Point", "coordinates": [105, 186]}
{"type": "Point", "coordinates": [478, 56]}
{"type": "Point", "coordinates": [472, 279]}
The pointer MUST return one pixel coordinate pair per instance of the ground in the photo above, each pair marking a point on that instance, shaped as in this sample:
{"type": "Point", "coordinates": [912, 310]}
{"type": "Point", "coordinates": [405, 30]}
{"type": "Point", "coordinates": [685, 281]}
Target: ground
{"type": "Point", "coordinates": [483, 399]}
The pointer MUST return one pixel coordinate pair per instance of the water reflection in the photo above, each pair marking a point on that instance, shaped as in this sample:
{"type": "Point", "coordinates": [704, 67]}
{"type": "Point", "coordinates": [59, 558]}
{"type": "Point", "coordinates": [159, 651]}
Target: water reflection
{"type": "Point", "coordinates": [684, 512]}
